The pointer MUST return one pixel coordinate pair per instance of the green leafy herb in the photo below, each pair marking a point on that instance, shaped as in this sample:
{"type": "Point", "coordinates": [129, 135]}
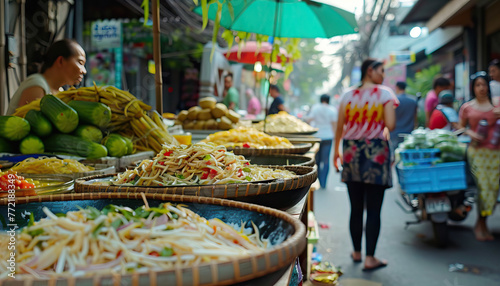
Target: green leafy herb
{"type": "Point", "coordinates": [116, 223]}
{"type": "Point", "coordinates": [32, 220]}
{"type": "Point", "coordinates": [246, 169]}
{"type": "Point", "coordinates": [36, 232]}
{"type": "Point", "coordinates": [180, 176]}
{"type": "Point", "coordinates": [60, 215]}
{"type": "Point", "coordinates": [93, 213]}
{"type": "Point", "coordinates": [97, 229]}
{"type": "Point", "coordinates": [248, 178]}
{"type": "Point", "coordinates": [141, 212]}
{"type": "Point", "coordinates": [207, 157]}
{"type": "Point", "coordinates": [167, 251]}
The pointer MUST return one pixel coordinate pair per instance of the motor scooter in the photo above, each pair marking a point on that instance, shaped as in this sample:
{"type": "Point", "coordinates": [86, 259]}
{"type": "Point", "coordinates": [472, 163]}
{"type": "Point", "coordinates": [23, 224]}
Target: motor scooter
{"type": "Point", "coordinates": [437, 193]}
{"type": "Point", "coordinates": [438, 208]}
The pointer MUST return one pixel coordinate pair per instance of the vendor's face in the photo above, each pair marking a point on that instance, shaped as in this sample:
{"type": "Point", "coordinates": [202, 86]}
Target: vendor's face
{"type": "Point", "coordinates": [481, 88]}
{"type": "Point", "coordinates": [228, 82]}
{"type": "Point", "coordinates": [74, 67]}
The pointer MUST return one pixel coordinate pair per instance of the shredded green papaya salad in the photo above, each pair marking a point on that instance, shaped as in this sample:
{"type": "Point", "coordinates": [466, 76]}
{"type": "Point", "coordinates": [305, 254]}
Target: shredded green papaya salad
{"type": "Point", "coordinates": [122, 240]}
{"type": "Point", "coordinates": [197, 164]}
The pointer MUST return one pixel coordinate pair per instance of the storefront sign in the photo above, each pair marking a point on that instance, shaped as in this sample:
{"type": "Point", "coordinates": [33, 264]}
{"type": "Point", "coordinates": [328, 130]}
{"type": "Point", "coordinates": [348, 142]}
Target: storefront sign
{"type": "Point", "coordinates": [394, 74]}
{"type": "Point", "coordinates": [106, 34]}
{"type": "Point", "coordinates": [401, 57]}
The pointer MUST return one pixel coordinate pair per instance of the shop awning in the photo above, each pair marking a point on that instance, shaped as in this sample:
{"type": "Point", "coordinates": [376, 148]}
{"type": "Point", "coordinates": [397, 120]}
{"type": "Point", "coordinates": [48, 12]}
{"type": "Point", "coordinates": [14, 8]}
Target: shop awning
{"type": "Point", "coordinates": [423, 10]}
{"type": "Point", "coordinates": [455, 12]}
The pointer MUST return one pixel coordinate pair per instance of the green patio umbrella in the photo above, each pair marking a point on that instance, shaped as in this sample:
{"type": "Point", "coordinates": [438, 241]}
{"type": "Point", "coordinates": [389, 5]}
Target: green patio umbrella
{"type": "Point", "coordinates": [285, 18]}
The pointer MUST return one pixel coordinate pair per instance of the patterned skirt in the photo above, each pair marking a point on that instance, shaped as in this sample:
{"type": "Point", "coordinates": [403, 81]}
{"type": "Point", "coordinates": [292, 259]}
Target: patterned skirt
{"type": "Point", "coordinates": [367, 161]}
{"type": "Point", "coordinates": [485, 168]}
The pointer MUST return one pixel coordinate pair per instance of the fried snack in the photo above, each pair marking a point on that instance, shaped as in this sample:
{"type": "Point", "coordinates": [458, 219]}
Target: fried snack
{"type": "Point", "coordinates": [207, 102]}
{"type": "Point", "coordinates": [219, 110]}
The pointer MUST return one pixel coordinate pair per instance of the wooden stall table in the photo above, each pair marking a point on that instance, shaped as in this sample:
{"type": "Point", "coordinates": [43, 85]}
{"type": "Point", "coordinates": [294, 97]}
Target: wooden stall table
{"type": "Point", "coordinates": [300, 211]}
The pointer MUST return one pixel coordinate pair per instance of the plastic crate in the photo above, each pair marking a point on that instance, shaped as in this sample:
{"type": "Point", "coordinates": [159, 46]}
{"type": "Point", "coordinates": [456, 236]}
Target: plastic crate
{"type": "Point", "coordinates": [419, 156]}
{"type": "Point", "coordinates": [432, 178]}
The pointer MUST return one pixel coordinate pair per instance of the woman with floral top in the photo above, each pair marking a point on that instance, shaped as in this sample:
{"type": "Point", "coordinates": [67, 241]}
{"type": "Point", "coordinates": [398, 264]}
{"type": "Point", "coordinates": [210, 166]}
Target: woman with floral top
{"type": "Point", "coordinates": [482, 155]}
{"type": "Point", "coordinates": [366, 116]}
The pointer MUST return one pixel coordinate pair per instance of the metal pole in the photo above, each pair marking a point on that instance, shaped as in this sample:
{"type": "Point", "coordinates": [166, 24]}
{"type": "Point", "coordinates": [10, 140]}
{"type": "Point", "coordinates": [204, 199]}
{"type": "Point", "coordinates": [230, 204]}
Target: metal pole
{"type": "Point", "coordinates": [22, 54]}
{"type": "Point", "coordinates": [78, 30]}
{"type": "Point", "coordinates": [276, 14]}
{"type": "Point", "coordinates": [2, 57]}
{"type": "Point", "coordinates": [157, 56]}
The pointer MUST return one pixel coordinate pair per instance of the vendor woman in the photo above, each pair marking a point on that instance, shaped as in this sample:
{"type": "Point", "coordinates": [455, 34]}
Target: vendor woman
{"type": "Point", "coordinates": [64, 64]}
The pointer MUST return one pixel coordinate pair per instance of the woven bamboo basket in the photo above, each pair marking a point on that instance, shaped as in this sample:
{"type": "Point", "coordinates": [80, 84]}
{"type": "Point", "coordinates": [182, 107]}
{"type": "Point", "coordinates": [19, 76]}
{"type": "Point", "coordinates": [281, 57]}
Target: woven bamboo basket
{"type": "Point", "coordinates": [300, 148]}
{"type": "Point", "coordinates": [282, 160]}
{"type": "Point", "coordinates": [279, 193]}
{"type": "Point", "coordinates": [262, 269]}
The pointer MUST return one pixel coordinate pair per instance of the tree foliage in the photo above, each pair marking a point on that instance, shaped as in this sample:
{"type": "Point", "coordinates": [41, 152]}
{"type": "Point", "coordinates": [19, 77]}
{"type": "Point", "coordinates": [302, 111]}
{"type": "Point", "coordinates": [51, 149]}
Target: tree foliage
{"type": "Point", "coordinates": [422, 83]}
{"type": "Point", "coordinates": [309, 73]}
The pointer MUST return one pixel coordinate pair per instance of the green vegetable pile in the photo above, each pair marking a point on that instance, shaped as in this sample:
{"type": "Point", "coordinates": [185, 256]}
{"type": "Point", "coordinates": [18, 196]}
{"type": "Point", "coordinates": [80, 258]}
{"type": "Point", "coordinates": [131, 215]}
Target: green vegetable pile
{"type": "Point", "coordinates": [450, 149]}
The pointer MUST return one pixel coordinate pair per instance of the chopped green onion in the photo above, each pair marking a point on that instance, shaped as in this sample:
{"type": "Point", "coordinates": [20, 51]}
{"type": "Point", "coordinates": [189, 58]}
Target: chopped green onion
{"type": "Point", "coordinates": [247, 169]}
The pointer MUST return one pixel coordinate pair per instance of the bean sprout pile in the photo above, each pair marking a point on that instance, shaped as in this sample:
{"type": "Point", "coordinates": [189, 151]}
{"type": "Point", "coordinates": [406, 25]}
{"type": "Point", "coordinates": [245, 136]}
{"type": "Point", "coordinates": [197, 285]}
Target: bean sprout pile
{"type": "Point", "coordinates": [121, 240]}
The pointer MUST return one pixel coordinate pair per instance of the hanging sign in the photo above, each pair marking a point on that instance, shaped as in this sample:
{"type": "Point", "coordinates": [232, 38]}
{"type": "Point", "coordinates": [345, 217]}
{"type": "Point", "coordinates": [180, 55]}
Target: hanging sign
{"type": "Point", "coordinates": [402, 57]}
{"type": "Point", "coordinates": [106, 34]}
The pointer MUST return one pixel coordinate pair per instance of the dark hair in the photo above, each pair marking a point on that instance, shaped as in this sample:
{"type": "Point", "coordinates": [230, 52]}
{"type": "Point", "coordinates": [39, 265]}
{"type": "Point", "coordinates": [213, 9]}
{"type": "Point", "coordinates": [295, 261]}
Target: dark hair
{"type": "Point", "coordinates": [275, 87]}
{"type": "Point", "coordinates": [325, 98]}
{"type": "Point", "coordinates": [65, 48]}
{"type": "Point", "coordinates": [373, 63]}
{"type": "Point", "coordinates": [229, 75]}
{"type": "Point", "coordinates": [495, 62]}
{"type": "Point", "coordinates": [441, 81]}
{"type": "Point", "coordinates": [474, 78]}
{"type": "Point", "coordinates": [401, 85]}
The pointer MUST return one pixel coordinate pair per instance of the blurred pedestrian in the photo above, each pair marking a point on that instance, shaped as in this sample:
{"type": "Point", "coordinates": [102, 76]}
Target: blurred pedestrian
{"type": "Point", "coordinates": [324, 117]}
{"type": "Point", "coordinates": [366, 116]}
{"type": "Point", "coordinates": [483, 157]}
{"type": "Point", "coordinates": [278, 102]}
{"type": "Point", "coordinates": [406, 115]}
{"type": "Point", "coordinates": [444, 115]}
{"type": "Point", "coordinates": [494, 72]}
{"type": "Point", "coordinates": [254, 106]}
{"type": "Point", "coordinates": [431, 99]}
{"type": "Point", "coordinates": [63, 64]}
{"type": "Point", "coordinates": [230, 94]}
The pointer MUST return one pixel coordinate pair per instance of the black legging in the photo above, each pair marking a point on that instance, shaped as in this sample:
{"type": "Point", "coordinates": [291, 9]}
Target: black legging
{"type": "Point", "coordinates": [372, 195]}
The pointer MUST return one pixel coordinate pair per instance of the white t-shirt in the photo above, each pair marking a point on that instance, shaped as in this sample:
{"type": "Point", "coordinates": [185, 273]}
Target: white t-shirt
{"type": "Point", "coordinates": [323, 115]}
{"type": "Point", "coordinates": [495, 92]}
{"type": "Point", "coordinates": [33, 80]}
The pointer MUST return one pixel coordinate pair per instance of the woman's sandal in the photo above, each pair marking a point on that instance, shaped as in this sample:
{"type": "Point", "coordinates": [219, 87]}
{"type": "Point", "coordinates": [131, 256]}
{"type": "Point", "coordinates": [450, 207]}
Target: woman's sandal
{"type": "Point", "coordinates": [378, 266]}
{"type": "Point", "coordinates": [355, 260]}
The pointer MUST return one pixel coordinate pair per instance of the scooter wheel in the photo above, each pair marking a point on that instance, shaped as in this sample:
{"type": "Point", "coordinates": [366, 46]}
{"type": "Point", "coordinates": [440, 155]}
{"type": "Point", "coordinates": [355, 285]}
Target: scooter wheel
{"type": "Point", "coordinates": [440, 233]}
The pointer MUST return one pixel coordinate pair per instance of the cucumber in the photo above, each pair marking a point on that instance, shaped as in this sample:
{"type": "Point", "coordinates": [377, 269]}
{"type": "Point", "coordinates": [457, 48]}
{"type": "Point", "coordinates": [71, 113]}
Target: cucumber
{"type": "Point", "coordinates": [31, 144]}
{"type": "Point", "coordinates": [94, 113]}
{"type": "Point", "coordinates": [40, 125]}
{"type": "Point", "coordinates": [13, 127]}
{"type": "Point", "coordinates": [89, 132]}
{"type": "Point", "coordinates": [117, 146]}
{"type": "Point", "coordinates": [130, 145]}
{"type": "Point", "coordinates": [7, 146]}
{"type": "Point", "coordinates": [64, 143]}
{"type": "Point", "coordinates": [64, 118]}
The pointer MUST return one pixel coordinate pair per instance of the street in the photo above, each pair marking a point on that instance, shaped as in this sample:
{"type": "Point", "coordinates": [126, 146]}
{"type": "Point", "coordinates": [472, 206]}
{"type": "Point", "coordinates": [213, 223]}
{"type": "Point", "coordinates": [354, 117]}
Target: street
{"type": "Point", "coordinates": [412, 256]}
